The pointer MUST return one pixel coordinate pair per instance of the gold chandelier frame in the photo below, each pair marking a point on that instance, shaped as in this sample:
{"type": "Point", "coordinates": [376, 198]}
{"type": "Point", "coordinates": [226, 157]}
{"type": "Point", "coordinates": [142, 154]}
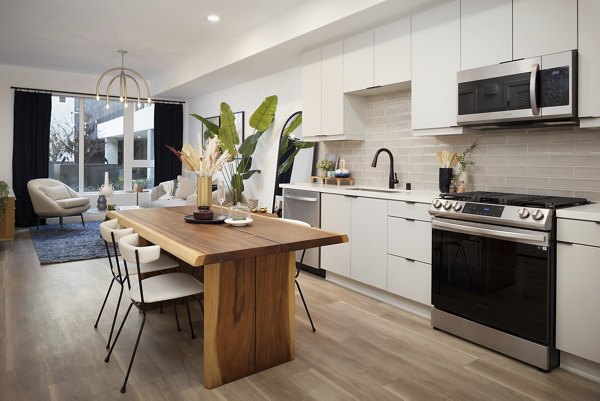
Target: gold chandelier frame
{"type": "Point", "coordinates": [122, 75]}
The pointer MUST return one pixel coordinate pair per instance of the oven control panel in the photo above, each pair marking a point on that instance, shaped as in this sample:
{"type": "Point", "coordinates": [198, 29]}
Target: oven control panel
{"type": "Point", "coordinates": [482, 209]}
{"type": "Point", "coordinates": [507, 215]}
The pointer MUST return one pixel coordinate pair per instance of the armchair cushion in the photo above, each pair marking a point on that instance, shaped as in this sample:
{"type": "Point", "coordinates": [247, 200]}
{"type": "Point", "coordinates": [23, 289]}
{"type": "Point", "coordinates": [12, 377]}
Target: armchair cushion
{"type": "Point", "coordinates": [56, 193]}
{"type": "Point", "coordinates": [72, 202]}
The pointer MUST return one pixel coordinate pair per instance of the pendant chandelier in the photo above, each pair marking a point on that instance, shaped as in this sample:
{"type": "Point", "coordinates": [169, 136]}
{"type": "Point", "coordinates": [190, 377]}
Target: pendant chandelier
{"type": "Point", "coordinates": [122, 74]}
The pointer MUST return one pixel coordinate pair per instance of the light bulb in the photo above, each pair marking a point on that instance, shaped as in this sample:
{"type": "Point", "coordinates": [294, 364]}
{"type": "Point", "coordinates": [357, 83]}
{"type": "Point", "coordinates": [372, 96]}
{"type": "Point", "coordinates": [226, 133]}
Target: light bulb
{"type": "Point", "coordinates": [121, 99]}
{"type": "Point", "coordinates": [107, 106]}
{"type": "Point", "coordinates": [139, 105]}
{"type": "Point", "coordinates": [97, 97]}
{"type": "Point", "coordinates": [125, 105]}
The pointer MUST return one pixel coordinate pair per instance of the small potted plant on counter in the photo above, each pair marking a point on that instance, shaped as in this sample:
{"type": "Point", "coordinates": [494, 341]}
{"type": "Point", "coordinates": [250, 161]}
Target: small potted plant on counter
{"type": "Point", "coordinates": [326, 166]}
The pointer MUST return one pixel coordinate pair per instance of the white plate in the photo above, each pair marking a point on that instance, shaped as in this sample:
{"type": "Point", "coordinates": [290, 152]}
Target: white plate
{"type": "Point", "coordinates": [239, 223]}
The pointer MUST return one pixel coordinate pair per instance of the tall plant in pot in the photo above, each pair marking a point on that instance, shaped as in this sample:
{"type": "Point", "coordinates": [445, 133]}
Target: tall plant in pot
{"type": "Point", "coordinates": [240, 168]}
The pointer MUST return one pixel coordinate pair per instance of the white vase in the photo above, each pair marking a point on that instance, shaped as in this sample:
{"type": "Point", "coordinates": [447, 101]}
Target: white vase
{"type": "Point", "coordinates": [106, 190]}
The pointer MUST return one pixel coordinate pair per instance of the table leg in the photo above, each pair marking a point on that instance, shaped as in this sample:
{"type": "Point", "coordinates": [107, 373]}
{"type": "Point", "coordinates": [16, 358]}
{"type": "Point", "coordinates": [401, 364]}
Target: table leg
{"type": "Point", "coordinates": [249, 316]}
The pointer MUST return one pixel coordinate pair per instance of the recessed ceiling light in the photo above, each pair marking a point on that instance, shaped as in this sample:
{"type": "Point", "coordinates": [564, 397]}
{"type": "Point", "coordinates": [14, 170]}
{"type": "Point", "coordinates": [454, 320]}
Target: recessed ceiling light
{"type": "Point", "coordinates": [213, 18]}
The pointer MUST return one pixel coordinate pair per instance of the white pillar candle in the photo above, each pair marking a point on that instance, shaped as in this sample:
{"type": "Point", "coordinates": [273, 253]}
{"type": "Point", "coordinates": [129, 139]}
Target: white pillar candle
{"type": "Point", "coordinates": [106, 178]}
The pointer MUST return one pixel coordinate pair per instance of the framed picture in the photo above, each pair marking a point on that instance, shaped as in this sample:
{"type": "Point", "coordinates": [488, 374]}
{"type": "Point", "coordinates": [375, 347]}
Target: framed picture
{"type": "Point", "coordinates": [205, 133]}
{"type": "Point", "coordinates": [239, 126]}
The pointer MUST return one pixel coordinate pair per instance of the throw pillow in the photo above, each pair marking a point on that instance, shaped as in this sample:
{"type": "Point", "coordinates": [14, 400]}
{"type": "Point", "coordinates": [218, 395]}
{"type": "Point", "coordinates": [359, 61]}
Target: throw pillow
{"type": "Point", "coordinates": [57, 192]}
{"type": "Point", "coordinates": [168, 187]}
{"type": "Point", "coordinates": [185, 187]}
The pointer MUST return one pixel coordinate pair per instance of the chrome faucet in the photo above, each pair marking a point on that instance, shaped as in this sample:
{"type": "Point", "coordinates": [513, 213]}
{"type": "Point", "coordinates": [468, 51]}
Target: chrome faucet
{"type": "Point", "coordinates": [393, 178]}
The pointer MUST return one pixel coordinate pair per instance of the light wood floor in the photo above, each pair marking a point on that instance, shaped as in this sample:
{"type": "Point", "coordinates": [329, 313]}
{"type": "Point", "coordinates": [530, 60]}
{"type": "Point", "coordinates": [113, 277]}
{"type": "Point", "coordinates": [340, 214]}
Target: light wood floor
{"type": "Point", "coordinates": [362, 350]}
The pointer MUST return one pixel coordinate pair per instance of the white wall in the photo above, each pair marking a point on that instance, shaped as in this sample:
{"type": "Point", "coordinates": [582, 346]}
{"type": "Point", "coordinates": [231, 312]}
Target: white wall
{"type": "Point", "coordinates": [30, 78]}
{"type": "Point", "coordinates": [287, 85]}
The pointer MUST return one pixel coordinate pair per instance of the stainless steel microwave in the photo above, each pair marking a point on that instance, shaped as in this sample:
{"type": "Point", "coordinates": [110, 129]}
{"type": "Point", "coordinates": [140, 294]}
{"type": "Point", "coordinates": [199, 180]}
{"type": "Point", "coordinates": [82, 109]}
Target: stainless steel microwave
{"type": "Point", "coordinates": [538, 90]}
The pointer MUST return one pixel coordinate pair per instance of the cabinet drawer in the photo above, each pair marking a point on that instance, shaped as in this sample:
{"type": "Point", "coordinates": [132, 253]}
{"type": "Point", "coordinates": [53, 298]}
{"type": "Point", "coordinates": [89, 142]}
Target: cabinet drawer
{"type": "Point", "coordinates": [409, 279]}
{"type": "Point", "coordinates": [409, 239]}
{"type": "Point", "coordinates": [410, 210]}
{"type": "Point", "coordinates": [578, 231]}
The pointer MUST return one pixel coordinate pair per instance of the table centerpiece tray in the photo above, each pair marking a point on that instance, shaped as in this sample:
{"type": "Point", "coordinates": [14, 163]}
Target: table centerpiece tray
{"type": "Point", "coordinates": [215, 220]}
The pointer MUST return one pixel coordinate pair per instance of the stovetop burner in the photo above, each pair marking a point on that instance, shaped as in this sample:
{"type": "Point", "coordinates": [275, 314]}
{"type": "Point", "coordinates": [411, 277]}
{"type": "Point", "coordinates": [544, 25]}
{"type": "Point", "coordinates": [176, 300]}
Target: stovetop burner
{"type": "Point", "coordinates": [523, 200]}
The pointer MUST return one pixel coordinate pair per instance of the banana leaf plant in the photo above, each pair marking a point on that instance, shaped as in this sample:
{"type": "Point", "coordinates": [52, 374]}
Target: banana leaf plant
{"type": "Point", "coordinates": [289, 146]}
{"type": "Point", "coordinates": [240, 167]}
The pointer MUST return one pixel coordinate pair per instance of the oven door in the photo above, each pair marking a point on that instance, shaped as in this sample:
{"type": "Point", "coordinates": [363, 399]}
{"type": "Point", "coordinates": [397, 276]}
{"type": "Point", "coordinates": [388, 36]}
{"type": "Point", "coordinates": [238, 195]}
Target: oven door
{"type": "Point", "coordinates": [497, 276]}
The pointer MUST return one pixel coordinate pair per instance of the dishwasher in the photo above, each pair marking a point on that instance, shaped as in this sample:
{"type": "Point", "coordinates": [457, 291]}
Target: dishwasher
{"type": "Point", "coordinates": [305, 206]}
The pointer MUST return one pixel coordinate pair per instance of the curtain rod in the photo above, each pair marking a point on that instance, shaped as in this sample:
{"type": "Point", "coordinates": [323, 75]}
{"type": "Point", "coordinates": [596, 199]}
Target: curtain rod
{"type": "Point", "coordinates": [52, 91]}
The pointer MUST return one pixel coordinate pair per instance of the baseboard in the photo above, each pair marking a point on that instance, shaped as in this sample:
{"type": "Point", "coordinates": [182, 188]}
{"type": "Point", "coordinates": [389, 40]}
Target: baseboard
{"type": "Point", "coordinates": [395, 300]}
{"type": "Point", "coordinates": [580, 366]}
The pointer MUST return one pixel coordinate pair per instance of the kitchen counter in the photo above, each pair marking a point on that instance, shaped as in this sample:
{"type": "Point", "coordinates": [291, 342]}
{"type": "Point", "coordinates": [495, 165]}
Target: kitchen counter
{"type": "Point", "coordinates": [590, 212]}
{"type": "Point", "coordinates": [367, 192]}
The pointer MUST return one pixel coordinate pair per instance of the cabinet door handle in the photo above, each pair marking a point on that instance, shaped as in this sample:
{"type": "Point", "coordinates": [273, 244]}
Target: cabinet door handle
{"type": "Point", "coordinates": [350, 196]}
{"type": "Point", "coordinates": [409, 260]}
{"type": "Point", "coordinates": [407, 219]}
{"type": "Point", "coordinates": [373, 87]}
{"type": "Point", "coordinates": [410, 202]}
{"type": "Point", "coordinates": [597, 222]}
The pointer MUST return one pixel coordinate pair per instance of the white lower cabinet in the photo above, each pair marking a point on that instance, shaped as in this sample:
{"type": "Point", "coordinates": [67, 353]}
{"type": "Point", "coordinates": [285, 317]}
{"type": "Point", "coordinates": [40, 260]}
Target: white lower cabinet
{"type": "Point", "coordinates": [409, 251]}
{"type": "Point", "coordinates": [369, 242]}
{"type": "Point", "coordinates": [409, 279]}
{"type": "Point", "coordinates": [577, 300]}
{"type": "Point", "coordinates": [336, 211]}
{"type": "Point", "coordinates": [389, 248]}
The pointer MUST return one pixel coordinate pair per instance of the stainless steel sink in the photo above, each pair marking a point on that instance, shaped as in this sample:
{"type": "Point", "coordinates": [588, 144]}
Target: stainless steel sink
{"type": "Point", "coordinates": [366, 189]}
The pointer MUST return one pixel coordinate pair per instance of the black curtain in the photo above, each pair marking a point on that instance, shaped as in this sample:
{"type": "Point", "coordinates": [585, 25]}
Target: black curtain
{"type": "Point", "coordinates": [168, 130]}
{"type": "Point", "coordinates": [31, 140]}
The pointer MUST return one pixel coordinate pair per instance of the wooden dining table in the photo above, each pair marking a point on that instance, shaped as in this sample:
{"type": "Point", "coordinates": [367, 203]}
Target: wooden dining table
{"type": "Point", "coordinates": [249, 299]}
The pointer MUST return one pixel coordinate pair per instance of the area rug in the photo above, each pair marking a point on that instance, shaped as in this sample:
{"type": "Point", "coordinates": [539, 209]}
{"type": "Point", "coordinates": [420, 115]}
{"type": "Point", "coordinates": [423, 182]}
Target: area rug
{"type": "Point", "coordinates": [73, 242]}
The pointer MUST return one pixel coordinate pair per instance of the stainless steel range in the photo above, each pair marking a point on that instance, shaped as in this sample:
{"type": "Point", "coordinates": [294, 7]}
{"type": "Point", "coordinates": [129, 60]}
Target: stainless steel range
{"type": "Point", "coordinates": [494, 271]}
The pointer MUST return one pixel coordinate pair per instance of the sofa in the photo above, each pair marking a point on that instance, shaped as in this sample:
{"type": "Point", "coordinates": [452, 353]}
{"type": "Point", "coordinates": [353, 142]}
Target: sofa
{"type": "Point", "coordinates": [178, 192]}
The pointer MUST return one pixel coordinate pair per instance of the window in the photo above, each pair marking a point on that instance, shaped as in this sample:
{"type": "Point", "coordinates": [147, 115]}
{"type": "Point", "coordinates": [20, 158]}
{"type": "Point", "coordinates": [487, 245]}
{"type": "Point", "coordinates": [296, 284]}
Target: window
{"type": "Point", "coordinates": [87, 140]}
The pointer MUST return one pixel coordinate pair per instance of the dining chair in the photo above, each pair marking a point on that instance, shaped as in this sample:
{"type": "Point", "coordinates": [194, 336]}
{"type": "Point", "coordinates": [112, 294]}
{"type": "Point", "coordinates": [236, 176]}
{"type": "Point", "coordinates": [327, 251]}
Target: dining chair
{"type": "Point", "coordinates": [305, 224]}
{"type": "Point", "coordinates": [164, 287]}
{"type": "Point", "coordinates": [111, 232]}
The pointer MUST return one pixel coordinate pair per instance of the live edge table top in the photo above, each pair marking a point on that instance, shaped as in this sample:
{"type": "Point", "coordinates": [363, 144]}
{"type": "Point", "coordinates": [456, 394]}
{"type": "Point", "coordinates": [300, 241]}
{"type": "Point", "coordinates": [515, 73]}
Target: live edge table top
{"type": "Point", "coordinates": [202, 244]}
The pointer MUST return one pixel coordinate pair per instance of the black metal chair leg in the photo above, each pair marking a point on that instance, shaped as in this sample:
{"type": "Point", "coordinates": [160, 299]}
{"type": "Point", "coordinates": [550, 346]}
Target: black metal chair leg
{"type": "Point", "coordinates": [38, 223]}
{"type": "Point", "coordinates": [189, 318]}
{"type": "Point", "coordinates": [161, 310]}
{"type": "Point", "coordinates": [60, 219]}
{"type": "Point", "coordinates": [107, 359]}
{"type": "Point", "coordinates": [82, 222]}
{"type": "Point", "coordinates": [112, 328]}
{"type": "Point", "coordinates": [104, 303]}
{"type": "Point", "coordinates": [305, 307]}
{"type": "Point", "coordinates": [176, 317]}
{"type": "Point", "coordinates": [137, 342]}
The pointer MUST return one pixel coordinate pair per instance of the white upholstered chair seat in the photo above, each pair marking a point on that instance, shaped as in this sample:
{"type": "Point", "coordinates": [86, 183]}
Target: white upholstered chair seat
{"type": "Point", "coordinates": [166, 287]}
{"type": "Point", "coordinates": [164, 262]}
{"type": "Point", "coordinates": [70, 203]}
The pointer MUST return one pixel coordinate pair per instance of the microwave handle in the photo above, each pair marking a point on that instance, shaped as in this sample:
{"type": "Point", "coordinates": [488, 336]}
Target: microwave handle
{"type": "Point", "coordinates": [532, 97]}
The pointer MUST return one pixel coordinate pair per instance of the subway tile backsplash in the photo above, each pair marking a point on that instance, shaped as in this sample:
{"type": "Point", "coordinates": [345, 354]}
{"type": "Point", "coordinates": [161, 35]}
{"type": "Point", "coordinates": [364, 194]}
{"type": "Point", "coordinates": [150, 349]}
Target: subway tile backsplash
{"type": "Point", "coordinates": [553, 161]}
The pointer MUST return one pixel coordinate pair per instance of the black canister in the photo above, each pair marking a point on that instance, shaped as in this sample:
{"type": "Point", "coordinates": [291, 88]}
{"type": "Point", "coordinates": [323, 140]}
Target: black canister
{"type": "Point", "coordinates": [445, 178]}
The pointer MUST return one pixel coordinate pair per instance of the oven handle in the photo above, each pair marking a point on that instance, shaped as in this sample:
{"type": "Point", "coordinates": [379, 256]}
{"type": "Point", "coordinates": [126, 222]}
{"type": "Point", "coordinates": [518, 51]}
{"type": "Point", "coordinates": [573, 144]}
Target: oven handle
{"type": "Point", "coordinates": [512, 236]}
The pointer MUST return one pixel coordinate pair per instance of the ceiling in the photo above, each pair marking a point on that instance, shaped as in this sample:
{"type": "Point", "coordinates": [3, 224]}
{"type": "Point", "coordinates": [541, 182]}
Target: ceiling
{"type": "Point", "coordinates": [160, 37]}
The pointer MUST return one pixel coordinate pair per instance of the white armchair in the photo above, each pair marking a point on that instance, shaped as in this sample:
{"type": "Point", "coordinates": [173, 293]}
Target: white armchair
{"type": "Point", "coordinates": [52, 198]}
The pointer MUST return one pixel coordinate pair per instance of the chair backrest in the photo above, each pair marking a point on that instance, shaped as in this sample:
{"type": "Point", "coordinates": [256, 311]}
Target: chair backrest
{"type": "Point", "coordinates": [297, 222]}
{"type": "Point", "coordinates": [132, 253]}
{"type": "Point", "coordinates": [112, 227]}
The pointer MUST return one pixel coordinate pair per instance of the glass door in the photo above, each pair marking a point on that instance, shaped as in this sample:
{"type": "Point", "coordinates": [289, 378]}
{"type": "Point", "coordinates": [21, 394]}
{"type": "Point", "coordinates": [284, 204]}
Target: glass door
{"type": "Point", "coordinates": [500, 283]}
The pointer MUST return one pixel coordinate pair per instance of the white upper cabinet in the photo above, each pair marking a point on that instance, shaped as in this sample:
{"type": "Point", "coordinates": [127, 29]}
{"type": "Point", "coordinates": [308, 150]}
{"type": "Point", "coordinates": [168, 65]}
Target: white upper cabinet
{"type": "Point", "coordinates": [328, 114]}
{"type": "Point", "coordinates": [311, 92]}
{"type": "Point", "coordinates": [485, 32]}
{"type": "Point", "coordinates": [358, 61]}
{"type": "Point", "coordinates": [378, 57]}
{"type": "Point", "coordinates": [332, 89]}
{"type": "Point", "coordinates": [543, 27]}
{"type": "Point", "coordinates": [391, 52]}
{"type": "Point", "coordinates": [435, 62]}
{"type": "Point", "coordinates": [589, 61]}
